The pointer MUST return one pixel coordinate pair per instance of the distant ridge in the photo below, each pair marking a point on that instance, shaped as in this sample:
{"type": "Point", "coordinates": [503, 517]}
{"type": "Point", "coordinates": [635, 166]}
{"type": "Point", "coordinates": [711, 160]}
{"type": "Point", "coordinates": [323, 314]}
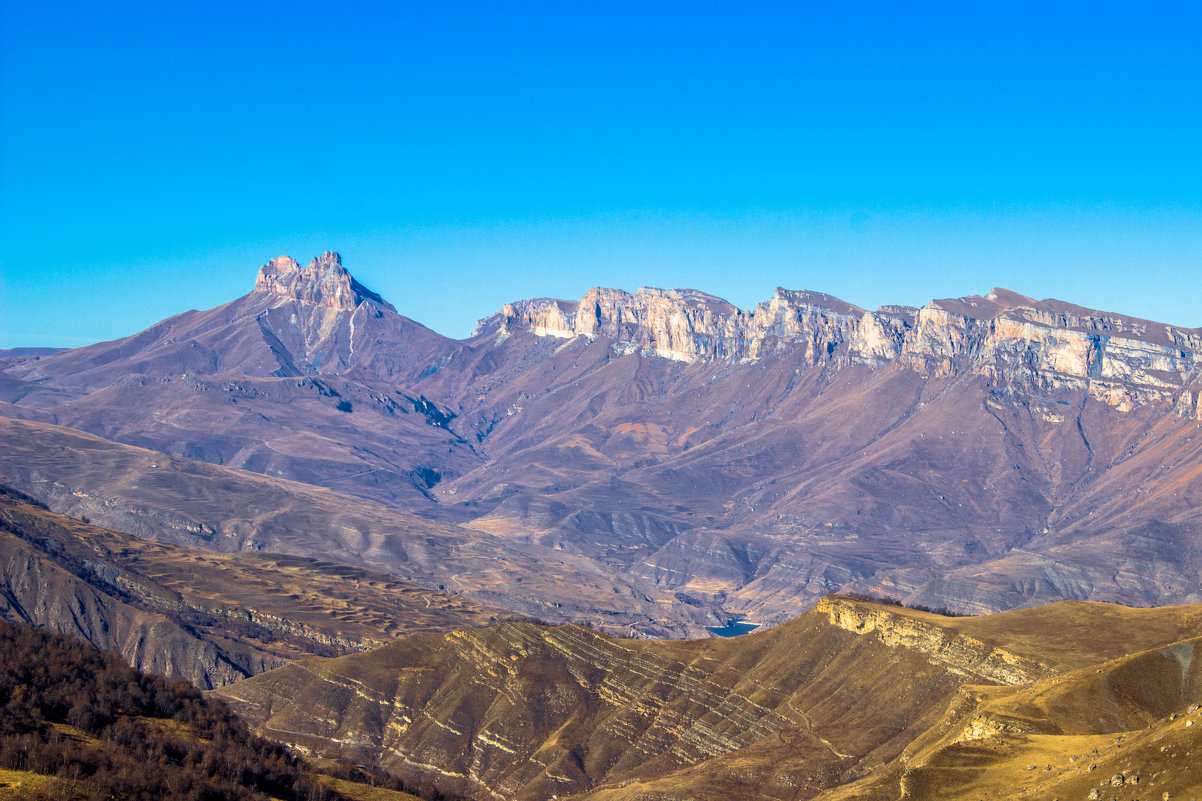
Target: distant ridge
{"type": "Point", "coordinates": [976, 454]}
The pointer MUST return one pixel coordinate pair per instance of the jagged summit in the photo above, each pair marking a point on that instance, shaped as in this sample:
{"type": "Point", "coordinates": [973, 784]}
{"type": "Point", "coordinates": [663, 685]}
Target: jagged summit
{"type": "Point", "coordinates": [325, 282]}
{"type": "Point", "coordinates": [945, 336]}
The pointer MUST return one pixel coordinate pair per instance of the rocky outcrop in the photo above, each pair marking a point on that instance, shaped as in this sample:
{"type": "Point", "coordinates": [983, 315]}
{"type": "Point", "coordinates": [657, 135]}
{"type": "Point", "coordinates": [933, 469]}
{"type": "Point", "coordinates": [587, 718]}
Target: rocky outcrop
{"type": "Point", "coordinates": [325, 282]}
{"type": "Point", "coordinates": [1013, 340]}
{"type": "Point", "coordinates": [319, 319]}
{"type": "Point", "coordinates": [957, 652]}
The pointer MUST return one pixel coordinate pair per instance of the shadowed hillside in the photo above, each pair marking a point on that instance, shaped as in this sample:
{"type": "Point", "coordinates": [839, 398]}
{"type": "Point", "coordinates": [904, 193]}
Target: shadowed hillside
{"type": "Point", "coordinates": [184, 502]}
{"type": "Point", "coordinates": [207, 618]}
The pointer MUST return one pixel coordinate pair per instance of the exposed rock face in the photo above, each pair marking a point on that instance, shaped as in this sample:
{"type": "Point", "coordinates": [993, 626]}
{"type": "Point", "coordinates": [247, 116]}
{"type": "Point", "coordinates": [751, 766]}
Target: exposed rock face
{"type": "Point", "coordinates": [960, 653]}
{"type": "Point", "coordinates": [1013, 340]}
{"type": "Point", "coordinates": [325, 282]}
{"type": "Point", "coordinates": [687, 325]}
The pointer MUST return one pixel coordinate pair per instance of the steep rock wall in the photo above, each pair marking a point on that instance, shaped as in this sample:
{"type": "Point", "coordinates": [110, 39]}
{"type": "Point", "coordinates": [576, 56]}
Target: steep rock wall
{"type": "Point", "coordinates": [1013, 340]}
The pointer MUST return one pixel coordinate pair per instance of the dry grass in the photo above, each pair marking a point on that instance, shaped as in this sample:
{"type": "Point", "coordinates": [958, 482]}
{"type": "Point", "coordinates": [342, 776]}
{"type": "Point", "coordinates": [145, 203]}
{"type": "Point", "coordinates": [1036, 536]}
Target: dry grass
{"type": "Point", "coordinates": [363, 792]}
{"type": "Point", "coordinates": [26, 786]}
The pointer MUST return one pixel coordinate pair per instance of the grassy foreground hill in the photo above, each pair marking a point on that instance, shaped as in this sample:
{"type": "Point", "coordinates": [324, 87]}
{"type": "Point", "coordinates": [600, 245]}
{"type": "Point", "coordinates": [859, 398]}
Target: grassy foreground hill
{"type": "Point", "coordinates": [853, 699]}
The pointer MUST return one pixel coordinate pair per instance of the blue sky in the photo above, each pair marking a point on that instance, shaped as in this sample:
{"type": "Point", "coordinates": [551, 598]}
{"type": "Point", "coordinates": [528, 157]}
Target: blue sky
{"type": "Point", "coordinates": [460, 156]}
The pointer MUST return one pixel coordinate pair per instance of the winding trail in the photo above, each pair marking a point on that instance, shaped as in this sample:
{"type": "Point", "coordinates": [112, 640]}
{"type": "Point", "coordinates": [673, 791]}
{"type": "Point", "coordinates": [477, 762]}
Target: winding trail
{"type": "Point", "coordinates": [810, 728]}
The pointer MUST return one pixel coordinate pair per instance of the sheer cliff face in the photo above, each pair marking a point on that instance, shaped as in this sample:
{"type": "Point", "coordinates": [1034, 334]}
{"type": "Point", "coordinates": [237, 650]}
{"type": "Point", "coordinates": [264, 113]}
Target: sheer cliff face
{"type": "Point", "coordinates": [325, 282]}
{"type": "Point", "coordinates": [1011, 339]}
{"type": "Point", "coordinates": [320, 320]}
{"type": "Point", "coordinates": [690, 326]}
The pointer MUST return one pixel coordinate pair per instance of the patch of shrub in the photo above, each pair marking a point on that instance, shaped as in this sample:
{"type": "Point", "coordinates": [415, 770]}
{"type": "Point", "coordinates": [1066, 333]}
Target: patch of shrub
{"type": "Point", "coordinates": [154, 738]}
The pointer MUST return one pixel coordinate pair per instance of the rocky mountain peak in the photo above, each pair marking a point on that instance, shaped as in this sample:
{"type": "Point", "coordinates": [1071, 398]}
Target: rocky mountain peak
{"type": "Point", "coordinates": [325, 282]}
{"type": "Point", "coordinates": [1012, 339]}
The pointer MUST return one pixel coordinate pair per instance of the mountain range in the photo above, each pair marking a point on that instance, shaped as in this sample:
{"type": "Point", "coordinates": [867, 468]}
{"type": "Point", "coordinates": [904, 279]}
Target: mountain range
{"type": "Point", "coordinates": [687, 461]}
{"type": "Point", "coordinates": [413, 553]}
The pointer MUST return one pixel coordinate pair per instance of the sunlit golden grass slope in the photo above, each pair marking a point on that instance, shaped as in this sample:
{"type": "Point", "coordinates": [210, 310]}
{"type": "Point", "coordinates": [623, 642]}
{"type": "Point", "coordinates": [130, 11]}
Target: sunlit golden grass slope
{"type": "Point", "coordinates": [853, 697]}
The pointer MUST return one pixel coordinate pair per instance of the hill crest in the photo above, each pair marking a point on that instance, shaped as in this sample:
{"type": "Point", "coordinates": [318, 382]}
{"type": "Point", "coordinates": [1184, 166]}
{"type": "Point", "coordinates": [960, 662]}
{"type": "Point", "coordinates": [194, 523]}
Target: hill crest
{"type": "Point", "coordinates": [527, 711]}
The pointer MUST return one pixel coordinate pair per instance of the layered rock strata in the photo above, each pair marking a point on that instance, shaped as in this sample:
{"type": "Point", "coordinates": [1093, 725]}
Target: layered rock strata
{"type": "Point", "coordinates": [1009, 338]}
{"type": "Point", "coordinates": [815, 706]}
{"type": "Point", "coordinates": [959, 653]}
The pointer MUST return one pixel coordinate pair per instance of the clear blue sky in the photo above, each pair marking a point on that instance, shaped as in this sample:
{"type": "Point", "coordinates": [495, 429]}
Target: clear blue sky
{"type": "Point", "coordinates": [463, 155]}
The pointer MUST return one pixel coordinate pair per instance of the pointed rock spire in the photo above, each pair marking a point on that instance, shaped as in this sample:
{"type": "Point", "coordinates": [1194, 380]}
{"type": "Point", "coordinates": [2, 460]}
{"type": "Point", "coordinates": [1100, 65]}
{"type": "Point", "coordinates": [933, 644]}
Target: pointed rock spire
{"type": "Point", "coordinates": [325, 282]}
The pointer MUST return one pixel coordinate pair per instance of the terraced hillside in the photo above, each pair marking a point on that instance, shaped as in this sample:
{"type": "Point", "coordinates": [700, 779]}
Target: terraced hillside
{"type": "Point", "coordinates": [208, 618]}
{"type": "Point", "coordinates": [181, 501]}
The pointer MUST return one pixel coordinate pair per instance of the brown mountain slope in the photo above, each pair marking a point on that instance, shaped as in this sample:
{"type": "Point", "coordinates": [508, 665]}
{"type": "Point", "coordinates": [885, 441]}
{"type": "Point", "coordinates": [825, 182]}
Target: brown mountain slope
{"type": "Point", "coordinates": [210, 619]}
{"type": "Point", "coordinates": [1125, 728]}
{"type": "Point", "coordinates": [772, 455]}
{"type": "Point", "coordinates": [184, 502]}
{"type": "Point", "coordinates": [979, 453]}
{"type": "Point", "coordinates": [930, 487]}
{"type": "Point", "coordinates": [530, 712]}
{"type": "Point", "coordinates": [304, 377]}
